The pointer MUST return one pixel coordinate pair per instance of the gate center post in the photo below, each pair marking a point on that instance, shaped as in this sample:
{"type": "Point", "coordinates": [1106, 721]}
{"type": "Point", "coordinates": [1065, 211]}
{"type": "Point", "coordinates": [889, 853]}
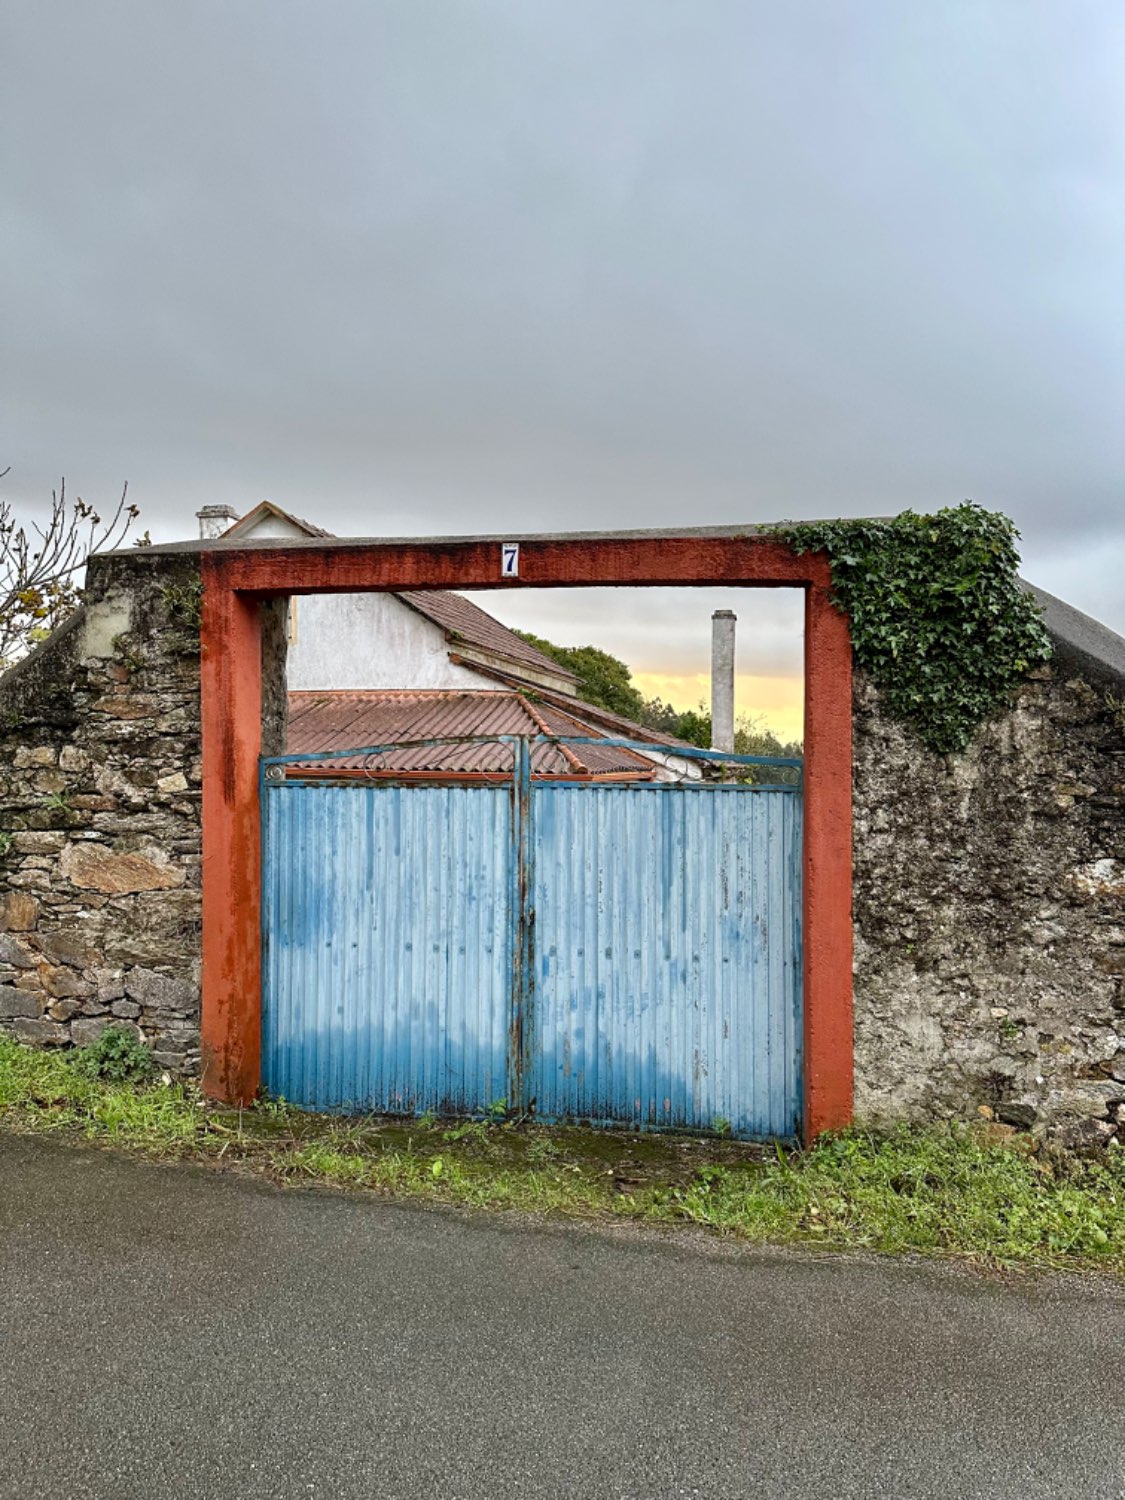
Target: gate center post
{"type": "Point", "coordinates": [523, 946]}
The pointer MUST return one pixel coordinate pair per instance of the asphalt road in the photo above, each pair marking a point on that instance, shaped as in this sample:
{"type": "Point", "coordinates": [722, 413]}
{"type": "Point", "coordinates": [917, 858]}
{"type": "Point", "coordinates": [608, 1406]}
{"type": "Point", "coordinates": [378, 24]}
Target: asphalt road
{"type": "Point", "coordinates": [169, 1332]}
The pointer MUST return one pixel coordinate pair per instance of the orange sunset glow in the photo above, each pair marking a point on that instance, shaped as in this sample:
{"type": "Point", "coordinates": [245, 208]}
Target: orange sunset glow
{"type": "Point", "coordinates": [777, 702]}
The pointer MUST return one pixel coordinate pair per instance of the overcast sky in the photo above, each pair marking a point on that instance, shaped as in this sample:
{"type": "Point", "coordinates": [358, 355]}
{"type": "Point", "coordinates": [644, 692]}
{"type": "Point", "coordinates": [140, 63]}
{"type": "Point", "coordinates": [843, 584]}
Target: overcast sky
{"type": "Point", "coordinates": [465, 265]}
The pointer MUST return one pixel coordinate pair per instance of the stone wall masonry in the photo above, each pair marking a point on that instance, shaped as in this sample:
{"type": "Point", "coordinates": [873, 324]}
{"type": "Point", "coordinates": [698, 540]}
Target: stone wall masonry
{"type": "Point", "coordinates": [100, 790]}
{"type": "Point", "coordinates": [989, 888]}
{"type": "Point", "coordinates": [990, 916]}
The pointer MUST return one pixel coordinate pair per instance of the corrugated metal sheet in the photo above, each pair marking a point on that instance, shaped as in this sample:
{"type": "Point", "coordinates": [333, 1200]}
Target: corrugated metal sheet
{"type": "Point", "coordinates": [667, 957]}
{"type": "Point", "coordinates": [388, 921]}
{"type": "Point", "coordinates": [338, 720]}
{"type": "Point", "coordinates": [625, 954]}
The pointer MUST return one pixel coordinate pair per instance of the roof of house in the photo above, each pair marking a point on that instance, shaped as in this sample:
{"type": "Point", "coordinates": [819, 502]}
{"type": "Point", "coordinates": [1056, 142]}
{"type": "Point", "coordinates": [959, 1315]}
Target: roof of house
{"type": "Point", "coordinates": [462, 620]}
{"type": "Point", "coordinates": [459, 618]}
{"type": "Point", "coordinates": [592, 713]}
{"type": "Point", "coordinates": [344, 720]}
{"type": "Point", "coordinates": [268, 508]}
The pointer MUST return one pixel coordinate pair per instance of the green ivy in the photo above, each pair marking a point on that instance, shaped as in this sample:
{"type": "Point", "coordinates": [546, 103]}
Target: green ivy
{"type": "Point", "coordinates": [938, 616]}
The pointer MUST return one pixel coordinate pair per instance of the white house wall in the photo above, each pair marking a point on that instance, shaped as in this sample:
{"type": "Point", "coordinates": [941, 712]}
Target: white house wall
{"type": "Point", "coordinates": [342, 641]}
{"type": "Point", "coordinates": [371, 641]}
{"type": "Point", "coordinates": [272, 526]}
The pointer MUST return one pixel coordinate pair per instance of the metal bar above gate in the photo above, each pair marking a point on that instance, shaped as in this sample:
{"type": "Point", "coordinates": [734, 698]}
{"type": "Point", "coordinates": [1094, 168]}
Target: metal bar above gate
{"type": "Point", "coordinates": [680, 752]}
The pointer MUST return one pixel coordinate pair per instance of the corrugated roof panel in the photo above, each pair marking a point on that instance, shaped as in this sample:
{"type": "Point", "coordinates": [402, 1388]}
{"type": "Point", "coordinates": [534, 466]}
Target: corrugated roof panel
{"type": "Point", "coordinates": [320, 721]}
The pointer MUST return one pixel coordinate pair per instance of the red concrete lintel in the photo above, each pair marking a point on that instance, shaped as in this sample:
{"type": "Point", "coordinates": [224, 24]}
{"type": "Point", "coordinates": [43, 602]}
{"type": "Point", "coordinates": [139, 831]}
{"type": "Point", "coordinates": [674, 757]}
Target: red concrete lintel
{"type": "Point", "coordinates": [235, 581]}
{"type": "Point", "coordinates": [544, 563]}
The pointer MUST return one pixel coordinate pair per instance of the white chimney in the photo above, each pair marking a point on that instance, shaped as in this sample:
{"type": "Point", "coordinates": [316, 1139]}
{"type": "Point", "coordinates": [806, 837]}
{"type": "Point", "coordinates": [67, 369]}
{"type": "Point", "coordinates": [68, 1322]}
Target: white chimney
{"type": "Point", "coordinates": [214, 520]}
{"type": "Point", "coordinates": [723, 623]}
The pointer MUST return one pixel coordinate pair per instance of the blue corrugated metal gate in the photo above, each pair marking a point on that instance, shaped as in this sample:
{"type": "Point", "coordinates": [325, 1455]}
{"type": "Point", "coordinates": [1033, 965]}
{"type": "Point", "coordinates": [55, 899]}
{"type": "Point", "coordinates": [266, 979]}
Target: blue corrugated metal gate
{"type": "Point", "coordinates": [624, 954]}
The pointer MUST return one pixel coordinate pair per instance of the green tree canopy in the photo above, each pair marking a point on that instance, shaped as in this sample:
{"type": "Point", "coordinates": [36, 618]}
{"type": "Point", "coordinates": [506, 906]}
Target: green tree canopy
{"type": "Point", "coordinates": [602, 679]}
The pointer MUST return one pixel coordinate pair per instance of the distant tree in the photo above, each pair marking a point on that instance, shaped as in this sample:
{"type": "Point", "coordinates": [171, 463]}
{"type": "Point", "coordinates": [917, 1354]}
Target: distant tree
{"type": "Point", "coordinates": [603, 680]}
{"type": "Point", "coordinates": [692, 726]}
{"type": "Point", "coordinates": [40, 572]}
{"type": "Point", "coordinates": [658, 716]}
{"type": "Point", "coordinates": [751, 737]}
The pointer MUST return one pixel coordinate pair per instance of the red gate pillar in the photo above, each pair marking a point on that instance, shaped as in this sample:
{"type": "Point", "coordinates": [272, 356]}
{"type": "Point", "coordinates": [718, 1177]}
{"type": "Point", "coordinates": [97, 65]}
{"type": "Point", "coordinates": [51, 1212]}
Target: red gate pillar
{"type": "Point", "coordinates": [827, 875]}
{"type": "Point", "coordinates": [231, 684]}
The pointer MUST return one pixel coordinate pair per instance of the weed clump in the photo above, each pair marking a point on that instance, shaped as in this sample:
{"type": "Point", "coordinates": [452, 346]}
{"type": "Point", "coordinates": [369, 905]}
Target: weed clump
{"type": "Point", "coordinates": [117, 1056]}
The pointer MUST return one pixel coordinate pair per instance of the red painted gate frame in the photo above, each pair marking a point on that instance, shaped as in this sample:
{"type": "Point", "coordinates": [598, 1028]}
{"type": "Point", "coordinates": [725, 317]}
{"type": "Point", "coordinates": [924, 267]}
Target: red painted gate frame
{"type": "Point", "coordinates": [237, 579]}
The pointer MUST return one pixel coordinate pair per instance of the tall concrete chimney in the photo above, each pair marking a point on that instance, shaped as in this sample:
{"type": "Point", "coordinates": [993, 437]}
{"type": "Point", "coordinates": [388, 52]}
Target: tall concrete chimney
{"type": "Point", "coordinates": [214, 520]}
{"type": "Point", "coordinates": [723, 623]}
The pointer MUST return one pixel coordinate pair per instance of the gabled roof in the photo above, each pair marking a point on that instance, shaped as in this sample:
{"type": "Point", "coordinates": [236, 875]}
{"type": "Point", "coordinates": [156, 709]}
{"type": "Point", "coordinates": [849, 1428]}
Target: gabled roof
{"type": "Point", "coordinates": [345, 720]}
{"type": "Point", "coordinates": [268, 508]}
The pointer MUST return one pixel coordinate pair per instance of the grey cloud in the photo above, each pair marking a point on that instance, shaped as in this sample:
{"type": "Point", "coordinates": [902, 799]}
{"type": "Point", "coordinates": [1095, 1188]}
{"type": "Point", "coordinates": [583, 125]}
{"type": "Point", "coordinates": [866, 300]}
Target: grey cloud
{"type": "Point", "coordinates": [510, 264]}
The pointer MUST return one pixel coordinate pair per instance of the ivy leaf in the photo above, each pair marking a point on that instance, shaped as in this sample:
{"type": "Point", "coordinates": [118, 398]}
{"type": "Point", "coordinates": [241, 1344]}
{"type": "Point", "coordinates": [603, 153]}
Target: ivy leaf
{"type": "Point", "coordinates": [937, 613]}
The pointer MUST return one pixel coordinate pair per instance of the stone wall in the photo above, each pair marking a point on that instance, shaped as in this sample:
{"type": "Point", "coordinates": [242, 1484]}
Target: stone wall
{"type": "Point", "coordinates": [990, 915]}
{"type": "Point", "coordinates": [989, 888]}
{"type": "Point", "coordinates": [100, 787]}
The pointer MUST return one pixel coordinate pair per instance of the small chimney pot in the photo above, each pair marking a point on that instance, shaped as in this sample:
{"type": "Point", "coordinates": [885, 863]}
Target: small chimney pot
{"type": "Point", "coordinates": [214, 520]}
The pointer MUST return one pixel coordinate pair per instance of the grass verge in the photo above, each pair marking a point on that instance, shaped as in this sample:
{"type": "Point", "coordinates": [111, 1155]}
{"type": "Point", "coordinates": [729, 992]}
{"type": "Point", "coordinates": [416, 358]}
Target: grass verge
{"type": "Point", "coordinates": [952, 1190]}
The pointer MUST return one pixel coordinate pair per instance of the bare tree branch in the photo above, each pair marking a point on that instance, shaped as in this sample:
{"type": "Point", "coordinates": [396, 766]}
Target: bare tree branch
{"type": "Point", "coordinates": [40, 573]}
